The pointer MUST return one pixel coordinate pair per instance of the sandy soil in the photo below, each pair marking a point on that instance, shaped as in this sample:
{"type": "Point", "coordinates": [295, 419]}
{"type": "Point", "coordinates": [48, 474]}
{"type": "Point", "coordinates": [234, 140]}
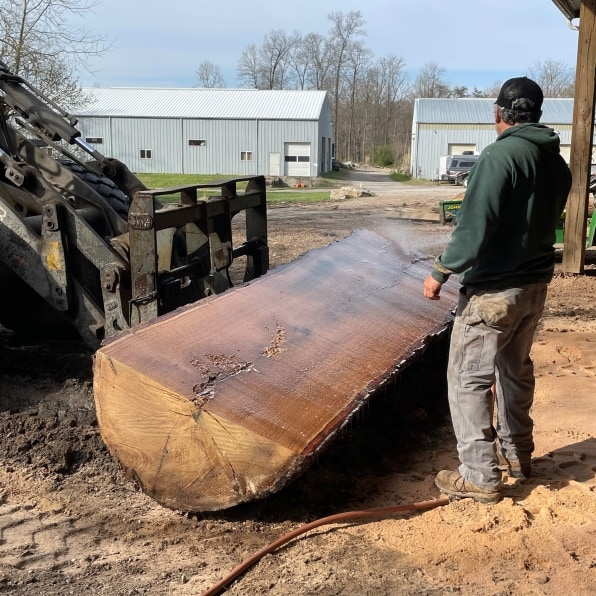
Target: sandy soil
{"type": "Point", "coordinates": [70, 523]}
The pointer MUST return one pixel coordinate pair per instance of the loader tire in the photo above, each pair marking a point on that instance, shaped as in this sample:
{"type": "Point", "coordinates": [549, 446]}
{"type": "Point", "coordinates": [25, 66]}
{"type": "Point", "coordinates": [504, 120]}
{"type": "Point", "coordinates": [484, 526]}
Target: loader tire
{"type": "Point", "coordinates": [102, 185]}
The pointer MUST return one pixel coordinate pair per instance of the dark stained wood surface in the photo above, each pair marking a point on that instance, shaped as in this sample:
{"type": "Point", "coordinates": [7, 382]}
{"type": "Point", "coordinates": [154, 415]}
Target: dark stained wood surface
{"type": "Point", "coordinates": [225, 400]}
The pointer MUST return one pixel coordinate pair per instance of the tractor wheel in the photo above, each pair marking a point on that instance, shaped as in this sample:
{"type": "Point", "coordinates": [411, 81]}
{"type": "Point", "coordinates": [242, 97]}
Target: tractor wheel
{"type": "Point", "coordinates": [102, 185]}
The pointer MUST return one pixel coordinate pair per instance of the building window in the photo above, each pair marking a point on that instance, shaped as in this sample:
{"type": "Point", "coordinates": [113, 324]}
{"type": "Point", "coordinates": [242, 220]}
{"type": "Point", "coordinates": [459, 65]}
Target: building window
{"type": "Point", "coordinates": [245, 155]}
{"type": "Point", "coordinates": [145, 153]}
{"type": "Point", "coordinates": [94, 140]}
{"type": "Point", "coordinates": [196, 142]}
{"type": "Point", "coordinates": [298, 158]}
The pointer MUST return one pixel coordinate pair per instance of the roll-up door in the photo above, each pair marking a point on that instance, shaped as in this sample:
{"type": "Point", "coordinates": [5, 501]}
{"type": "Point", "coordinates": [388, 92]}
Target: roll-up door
{"type": "Point", "coordinates": [297, 159]}
{"type": "Point", "coordinates": [462, 149]}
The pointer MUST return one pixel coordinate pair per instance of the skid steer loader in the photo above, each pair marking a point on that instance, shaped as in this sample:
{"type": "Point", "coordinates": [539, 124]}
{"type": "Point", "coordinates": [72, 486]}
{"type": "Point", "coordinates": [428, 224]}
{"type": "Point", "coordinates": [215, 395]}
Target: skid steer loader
{"type": "Point", "coordinates": [208, 395]}
{"type": "Point", "coordinates": [84, 243]}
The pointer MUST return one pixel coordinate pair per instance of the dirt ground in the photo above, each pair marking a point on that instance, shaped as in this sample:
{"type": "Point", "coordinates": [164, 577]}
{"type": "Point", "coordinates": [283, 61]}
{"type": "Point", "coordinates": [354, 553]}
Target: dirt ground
{"type": "Point", "coordinates": [70, 523]}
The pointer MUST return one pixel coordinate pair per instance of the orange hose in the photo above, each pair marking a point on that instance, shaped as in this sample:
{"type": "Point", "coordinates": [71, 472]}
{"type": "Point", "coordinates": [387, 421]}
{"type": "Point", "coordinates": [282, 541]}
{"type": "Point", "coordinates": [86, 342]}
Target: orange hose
{"type": "Point", "coordinates": [348, 515]}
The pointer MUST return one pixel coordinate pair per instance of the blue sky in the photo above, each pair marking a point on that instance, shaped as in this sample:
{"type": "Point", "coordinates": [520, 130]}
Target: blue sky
{"type": "Point", "coordinates": [477, 42]}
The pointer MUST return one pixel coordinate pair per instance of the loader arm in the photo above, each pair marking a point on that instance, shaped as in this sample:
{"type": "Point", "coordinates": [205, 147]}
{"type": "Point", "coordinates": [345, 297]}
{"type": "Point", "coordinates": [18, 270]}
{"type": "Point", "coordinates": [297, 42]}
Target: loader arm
{"type": "Point", "coordinates": [43, 118]}
{"type": "Point", "coordinates": [80, 233]}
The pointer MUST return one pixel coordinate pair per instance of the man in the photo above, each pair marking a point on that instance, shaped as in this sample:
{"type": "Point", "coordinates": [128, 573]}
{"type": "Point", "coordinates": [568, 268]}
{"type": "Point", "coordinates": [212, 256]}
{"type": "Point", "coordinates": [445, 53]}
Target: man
{"type": "Point", "coordinates": [502, 249]}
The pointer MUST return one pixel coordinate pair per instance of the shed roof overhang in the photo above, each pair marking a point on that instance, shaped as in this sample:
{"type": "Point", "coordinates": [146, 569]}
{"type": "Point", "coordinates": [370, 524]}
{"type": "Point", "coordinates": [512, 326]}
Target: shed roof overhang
{"type": "Point", "coordinates": [570, 8]}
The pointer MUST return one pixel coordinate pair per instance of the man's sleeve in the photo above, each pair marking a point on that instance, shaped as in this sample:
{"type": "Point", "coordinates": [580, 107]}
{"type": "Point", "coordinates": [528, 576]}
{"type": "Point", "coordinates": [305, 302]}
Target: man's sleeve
{"type": "Point", "coordinates": [488, 184]}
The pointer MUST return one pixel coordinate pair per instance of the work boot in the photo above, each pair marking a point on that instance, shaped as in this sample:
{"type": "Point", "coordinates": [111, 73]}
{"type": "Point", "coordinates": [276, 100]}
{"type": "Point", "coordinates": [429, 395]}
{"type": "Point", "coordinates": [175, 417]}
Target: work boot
{"type": "Point", "coordinates": [513, 467]}
{"type": "Point", "coordinates": [455, 485]}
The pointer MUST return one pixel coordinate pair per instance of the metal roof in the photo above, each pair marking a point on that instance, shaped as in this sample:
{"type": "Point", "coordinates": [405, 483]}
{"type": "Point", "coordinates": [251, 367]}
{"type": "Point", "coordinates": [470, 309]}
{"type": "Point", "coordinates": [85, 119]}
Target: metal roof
{"type": "Point", "coordinates": [243, 104]}
{"type": "Point", "coordinates": [480, 111]}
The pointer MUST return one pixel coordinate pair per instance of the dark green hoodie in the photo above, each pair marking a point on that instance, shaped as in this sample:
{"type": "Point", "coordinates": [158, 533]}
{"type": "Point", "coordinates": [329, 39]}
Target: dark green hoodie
{"type": "Point", "coordinates": [506, 225]}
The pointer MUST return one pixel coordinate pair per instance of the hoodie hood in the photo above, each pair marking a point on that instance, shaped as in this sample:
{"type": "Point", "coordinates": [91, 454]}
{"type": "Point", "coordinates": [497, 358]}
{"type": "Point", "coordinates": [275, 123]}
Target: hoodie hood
{"type": "Point", "coordinates": [538, 134]}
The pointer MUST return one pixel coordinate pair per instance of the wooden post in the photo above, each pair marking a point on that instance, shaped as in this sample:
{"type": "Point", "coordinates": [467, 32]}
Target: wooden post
{"type": "Point", "coordinates": [581, 141]}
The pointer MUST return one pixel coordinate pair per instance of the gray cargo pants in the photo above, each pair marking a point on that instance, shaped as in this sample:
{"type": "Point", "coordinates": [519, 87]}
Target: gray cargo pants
{"type": "Point", "coordinates": [491, 340]}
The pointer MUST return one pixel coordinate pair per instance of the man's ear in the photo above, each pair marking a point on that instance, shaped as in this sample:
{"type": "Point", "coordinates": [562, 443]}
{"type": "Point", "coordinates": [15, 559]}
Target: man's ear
{"type": "Point", "coordinates": [498, 118]}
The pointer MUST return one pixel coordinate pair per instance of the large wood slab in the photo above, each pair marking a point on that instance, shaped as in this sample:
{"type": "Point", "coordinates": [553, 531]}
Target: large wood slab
{"type": "Point", "coordinates": [227, 400]}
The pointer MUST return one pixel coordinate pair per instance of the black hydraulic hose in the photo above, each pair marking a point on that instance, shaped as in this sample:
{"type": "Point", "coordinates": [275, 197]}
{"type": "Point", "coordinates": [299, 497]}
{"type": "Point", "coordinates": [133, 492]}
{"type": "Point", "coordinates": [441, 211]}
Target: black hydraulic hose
{"type": "Point", "coordinates": [338, 517]}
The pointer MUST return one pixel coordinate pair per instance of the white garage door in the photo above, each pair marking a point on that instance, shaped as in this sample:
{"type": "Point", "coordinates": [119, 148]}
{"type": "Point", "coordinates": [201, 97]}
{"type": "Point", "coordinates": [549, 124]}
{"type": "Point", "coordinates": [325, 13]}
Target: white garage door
{"type": "Point", "coordinates": [461, 149]}
{"type": "Point", "coordinates": [297, 159]}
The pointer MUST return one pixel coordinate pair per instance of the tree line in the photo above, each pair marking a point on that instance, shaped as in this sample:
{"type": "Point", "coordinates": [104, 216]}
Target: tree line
{"type": "Point", "coordinates": [372, 98]}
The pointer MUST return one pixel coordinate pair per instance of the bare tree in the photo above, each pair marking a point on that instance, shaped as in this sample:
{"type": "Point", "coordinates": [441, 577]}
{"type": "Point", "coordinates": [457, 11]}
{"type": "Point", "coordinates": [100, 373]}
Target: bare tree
{"type": "Point", "coordinates": [487, 92]}
{"type": "Point", "coordinates": [274, 58]}
{"type": "Point", "coordinates": [383, 110]}
{"type": "Point", "coordinates": [555, 78]}
{"type": "Point", "coordinates": [395, 85]}
{"type": "Point", "coordinates": [248, 67]}
{"type": "Point", "coordinates": [209, 75]}
{"type": "Point", "coordinates": [396, 112]}
{"type": "Point", "coordinates": [314, 57]}
{"type": "Point", "coordinates": [40, 41]}
{"type": "Point", "coordinates": [430, 82]}
{"type": "Point", "coordinates": [299, 62]}
{"type": "Point", "coordinates": [459, 91]}
{"type": "Point", "coordinates": [357, 63]}
{"type": "Point", "coordinates": [267, 66]}
{"type": "Point", "coordinates": [345, 30]}
{"type": "Point", "coordinates": [372, 99]}
{"type": "Point", "coordinates": [310, 61]}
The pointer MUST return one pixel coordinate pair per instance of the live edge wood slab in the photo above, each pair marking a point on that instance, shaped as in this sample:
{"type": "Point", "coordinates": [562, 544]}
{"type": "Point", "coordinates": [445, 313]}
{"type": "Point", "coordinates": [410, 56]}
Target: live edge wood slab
{"type": "Point", "coordinates": [226, 400]}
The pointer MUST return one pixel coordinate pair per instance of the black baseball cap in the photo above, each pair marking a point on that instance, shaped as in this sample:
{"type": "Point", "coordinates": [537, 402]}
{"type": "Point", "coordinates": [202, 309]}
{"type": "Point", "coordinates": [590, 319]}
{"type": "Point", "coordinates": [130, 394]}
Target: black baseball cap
{"type": "Point", "coordinates": [521, 94]}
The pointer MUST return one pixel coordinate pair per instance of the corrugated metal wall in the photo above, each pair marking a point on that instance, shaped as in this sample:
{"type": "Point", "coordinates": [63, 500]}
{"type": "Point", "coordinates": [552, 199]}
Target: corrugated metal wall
{"type": "Point", "coordinates": [226, 142]}
{"type": "Point", "coordinates": [433, 141]}
{"type": "Point", "coordinates": [326, 141]}
{"type": "Point", "coordinates": [98, 129]}
{"type": "Point", "coordinates": [132, 139]}
{"type": "Point", "coordinates": [432, 136]}
{"type": "Point", "coordinates": [236, 147]}
{"type": "Point", "coordinates": [274, 135]}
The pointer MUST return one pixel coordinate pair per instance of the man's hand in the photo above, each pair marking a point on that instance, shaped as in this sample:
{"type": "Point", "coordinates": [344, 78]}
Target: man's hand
{"type": "Point", "coordinates": [432, 288]}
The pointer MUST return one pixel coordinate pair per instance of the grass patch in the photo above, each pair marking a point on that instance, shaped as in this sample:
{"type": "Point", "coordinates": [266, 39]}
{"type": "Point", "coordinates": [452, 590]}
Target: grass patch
{"type": "Point", "coordinates": [154, 181]}
{"type": "Point", "coordinates": [399, 177]}
{"type": "Point", "coordinates": [406, 179]}
{"type": "Point", "coordinates": [305, 196]}
{"type": "Point", "coordinates": [167, 180]}
{"type": "Point", "coordinates": [334, 176]}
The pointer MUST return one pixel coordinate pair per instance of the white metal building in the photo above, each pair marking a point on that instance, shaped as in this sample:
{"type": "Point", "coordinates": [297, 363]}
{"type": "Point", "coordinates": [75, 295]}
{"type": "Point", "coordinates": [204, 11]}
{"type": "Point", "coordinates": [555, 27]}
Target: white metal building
{"type": "Point", "coordinates": [236, 132]}
{"type": "Point", "coordinates": [451, 126]}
